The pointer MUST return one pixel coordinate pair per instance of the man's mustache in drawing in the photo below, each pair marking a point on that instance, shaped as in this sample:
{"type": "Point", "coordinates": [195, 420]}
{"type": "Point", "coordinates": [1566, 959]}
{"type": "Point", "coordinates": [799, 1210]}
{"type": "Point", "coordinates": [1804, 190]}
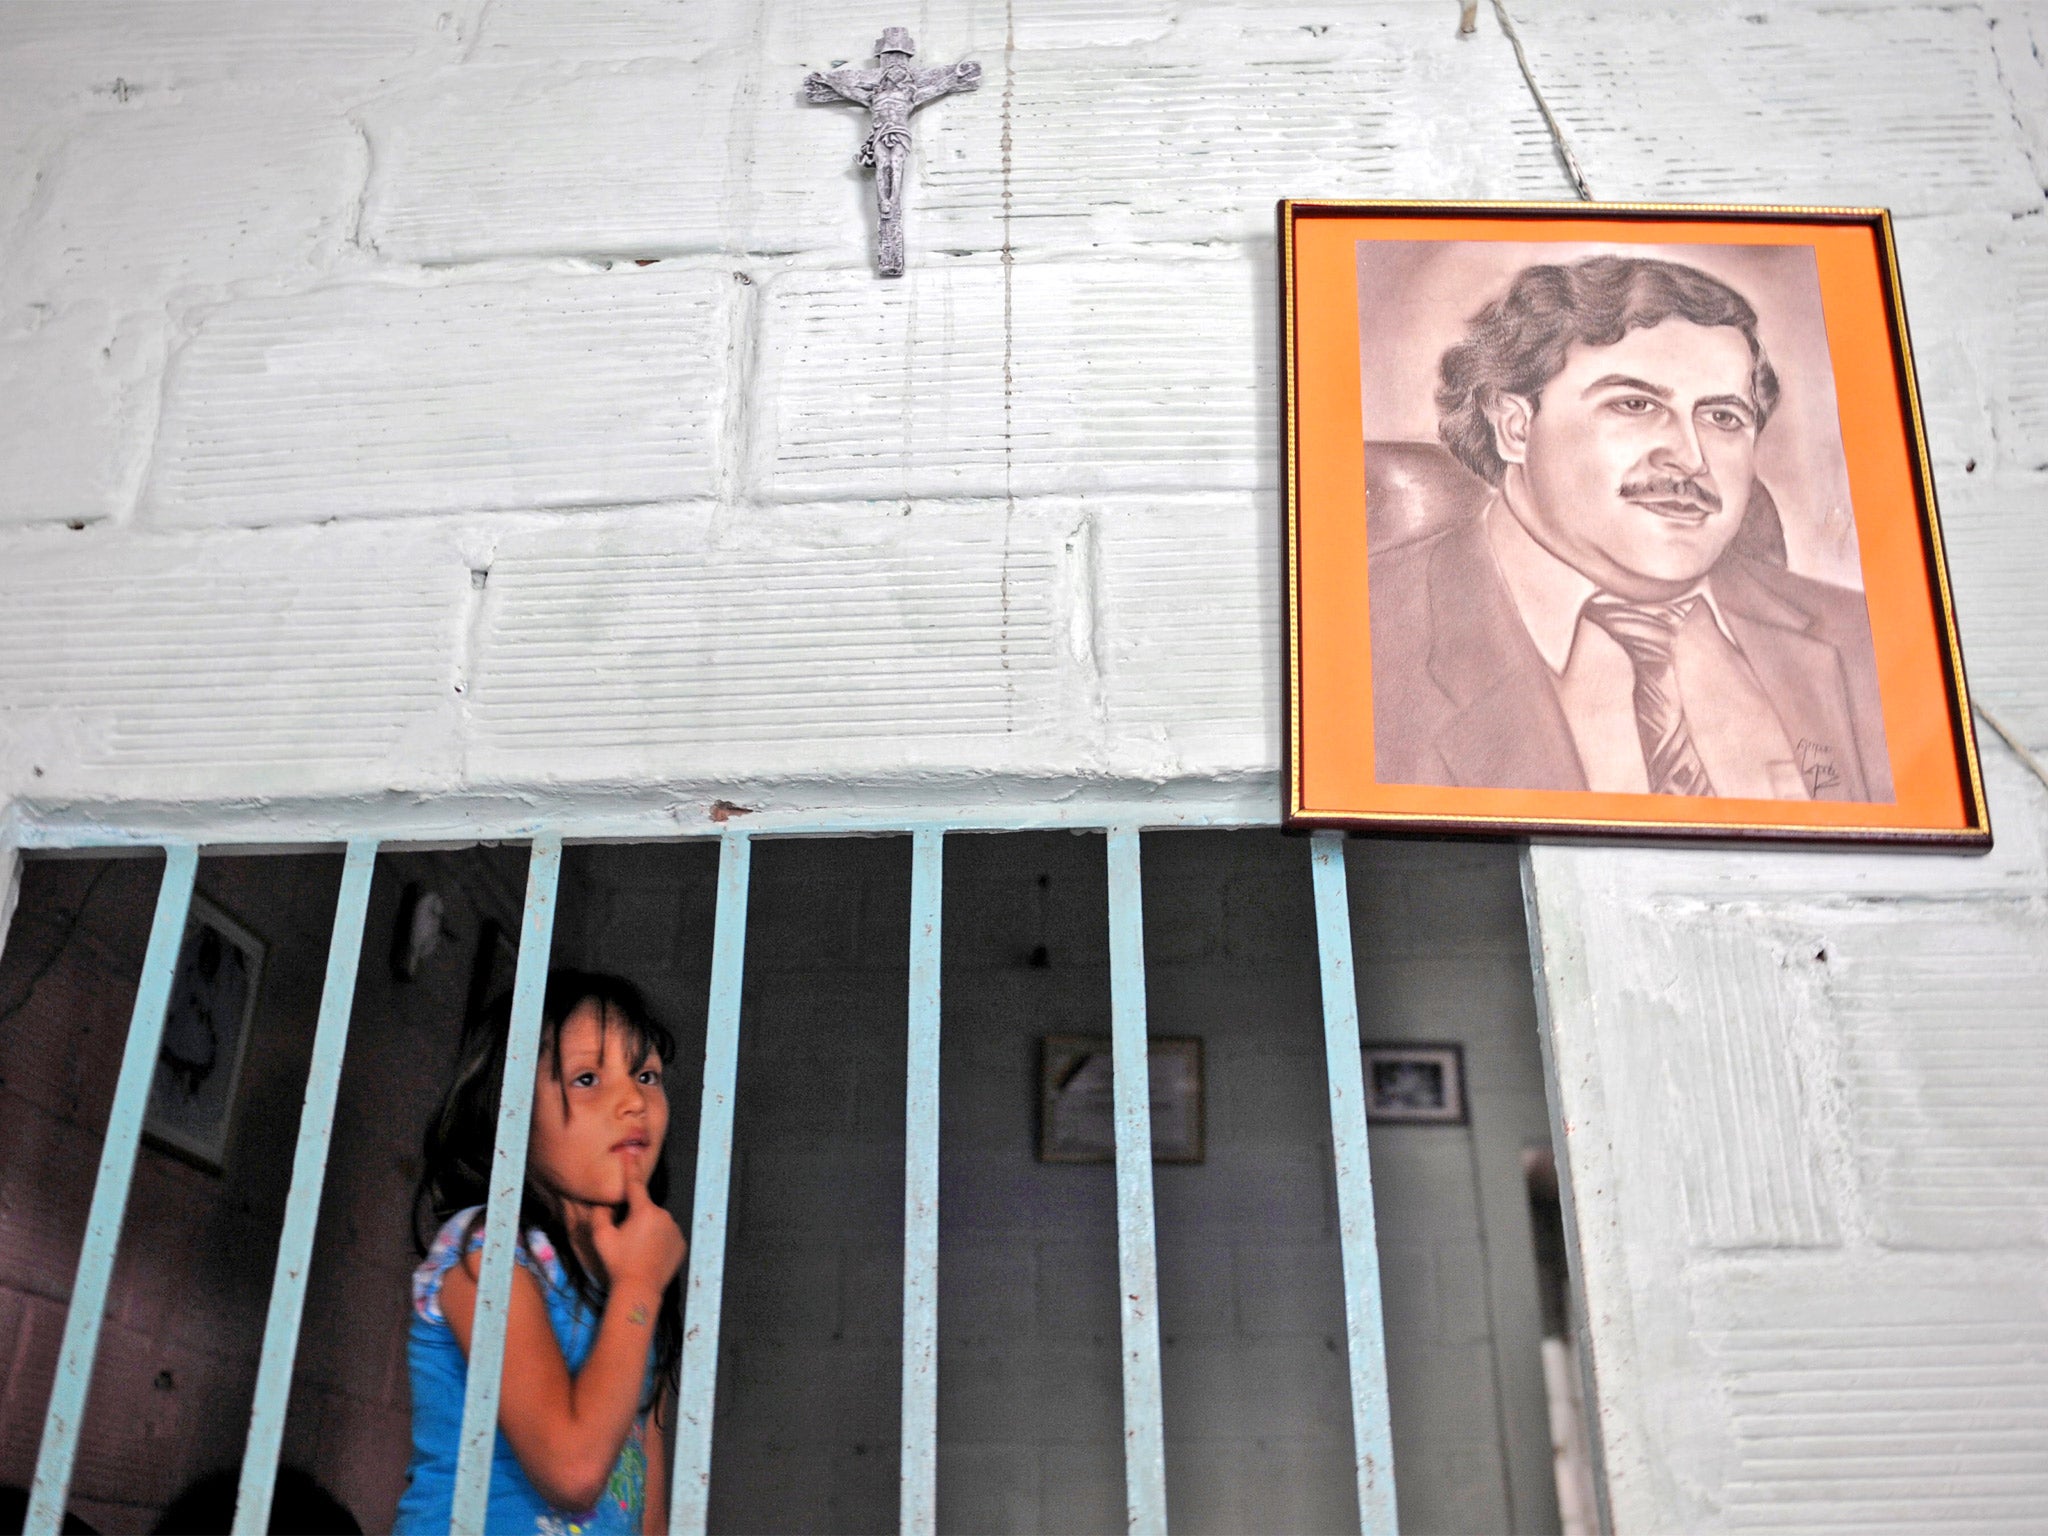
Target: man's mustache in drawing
{"type": "Point", "coordinates": [1680, 488]}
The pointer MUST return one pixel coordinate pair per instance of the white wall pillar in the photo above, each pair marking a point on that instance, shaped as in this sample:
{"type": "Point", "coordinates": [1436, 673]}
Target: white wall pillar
{"type": "Point", "coordinates": [1800, 1096]}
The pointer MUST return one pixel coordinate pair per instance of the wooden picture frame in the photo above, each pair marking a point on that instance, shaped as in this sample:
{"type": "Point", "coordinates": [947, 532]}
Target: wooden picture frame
{"type": "Point", "coordinates": [1075, 1121]}
{"type": "Point", "coordinates": [1613, 520]}
{"type": "Point", "coordinates": [192, 1099]}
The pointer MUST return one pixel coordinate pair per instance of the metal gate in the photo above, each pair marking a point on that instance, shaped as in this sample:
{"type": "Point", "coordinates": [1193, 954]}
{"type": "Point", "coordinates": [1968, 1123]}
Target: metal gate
{"type": "Point", "coordinates": [1144, 1437]}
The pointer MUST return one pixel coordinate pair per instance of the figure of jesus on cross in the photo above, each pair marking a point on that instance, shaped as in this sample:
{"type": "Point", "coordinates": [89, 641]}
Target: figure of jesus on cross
{"type": "Point", "coordinates": [890, 93]}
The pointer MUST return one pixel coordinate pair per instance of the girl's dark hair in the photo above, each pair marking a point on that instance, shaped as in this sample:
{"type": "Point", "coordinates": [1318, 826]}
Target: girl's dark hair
{"type": "Point", "coordinates": [456, 1155]}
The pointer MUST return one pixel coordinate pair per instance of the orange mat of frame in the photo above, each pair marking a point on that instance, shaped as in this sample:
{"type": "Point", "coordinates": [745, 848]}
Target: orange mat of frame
{"type": "Point", "coordinates": [1333, 743]}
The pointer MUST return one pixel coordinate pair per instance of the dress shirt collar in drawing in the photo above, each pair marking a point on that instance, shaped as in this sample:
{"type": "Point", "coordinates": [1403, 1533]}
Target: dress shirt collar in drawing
{"type": "Point", "coordinates": [1550, 595]}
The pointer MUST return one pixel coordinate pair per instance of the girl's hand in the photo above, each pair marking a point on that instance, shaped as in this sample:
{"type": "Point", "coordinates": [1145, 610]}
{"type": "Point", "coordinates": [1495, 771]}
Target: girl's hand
{"type": "Point", "coordinates": [646, 1248]}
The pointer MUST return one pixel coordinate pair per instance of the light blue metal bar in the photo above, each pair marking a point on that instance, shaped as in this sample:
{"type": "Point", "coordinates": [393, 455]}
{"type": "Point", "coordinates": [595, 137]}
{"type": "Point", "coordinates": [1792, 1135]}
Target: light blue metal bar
{"type": "Point", "coordinates": [920, 1498]}
{"type": "Point", "coordinates": [1371, 1425]}
{"type": "Point", "coordinates": [1137, 1261]}
{"type": "Point", "coordinates": [110, 1195]}
{"type": "Point", "coordinates": [703, 1296]}
{"type": "Point", "coordinates": [302, 1205]}
{"type": "Point", "coordinates": [508, 1184]}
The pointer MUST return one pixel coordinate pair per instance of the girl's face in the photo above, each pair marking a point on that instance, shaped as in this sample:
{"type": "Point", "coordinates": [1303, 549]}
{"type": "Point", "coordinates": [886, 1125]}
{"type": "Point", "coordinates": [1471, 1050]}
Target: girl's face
{"type": "Point", "coordinates": [603, 1121]}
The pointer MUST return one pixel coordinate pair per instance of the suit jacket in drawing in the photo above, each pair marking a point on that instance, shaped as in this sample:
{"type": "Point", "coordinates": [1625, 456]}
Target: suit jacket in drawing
{"type": "Point", "coordinates": [1461, 695]}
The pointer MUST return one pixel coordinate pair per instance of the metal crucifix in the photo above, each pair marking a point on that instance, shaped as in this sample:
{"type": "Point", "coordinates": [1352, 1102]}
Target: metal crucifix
{"type": "Point", "coordinates": [890, 93]}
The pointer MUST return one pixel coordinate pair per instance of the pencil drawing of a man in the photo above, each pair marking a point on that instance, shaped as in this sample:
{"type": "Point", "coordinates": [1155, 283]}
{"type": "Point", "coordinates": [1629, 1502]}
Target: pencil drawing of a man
{"type": "Point", "coordinates": [1598, 625]}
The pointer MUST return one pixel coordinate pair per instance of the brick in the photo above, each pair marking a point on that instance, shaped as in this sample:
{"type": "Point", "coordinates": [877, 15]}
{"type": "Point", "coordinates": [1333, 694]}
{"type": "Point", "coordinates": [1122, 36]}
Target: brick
{"type": "Point", "coordinates": [146, 1405]}
{"type": "Point", "coordinates": [842, 1396]}
{"type": "Point", "coordinates": [773, 1487]}
{"type": "Point", "coordinates": [1077, 1288]}
{"type": "Point", "coordinates": [1268, 1484]}
{"type": "Point", "coordinates": [1081, 1486]}
{"type": "Point", "coordinates": [999, 1191]}
{"type": "Point", "coordinates": [1007, 895]}
{"type": "Point", "coordinates": [987, 1396]}
{"type": "Point", "coordinates": [1830, 1406]}
{"type": "Point", "coordinates": [977, 379]}
{"type": "Point", "coordinates": [1295, 1288]}
{"type": "Point", "coordinates": [1976, 292]}
{"type": "Point", "coordinates": [1435, 899]}
{"type": "Point", "coordinates": [986, 1488]}
{"type": "Point", "coordinates": [137, 203]}
{"type": "Point", "coordinates": [1948, 1156]}
{"type": "Point", "coordinates": [34, 1330]}
{"type": "Point", "coordinates": [987, 1292]}
{"type": "Point", "coordinates": [46, 1180]}
{"type": "Point", "coordinates": [1280, 1188]}
{"type": "Point", "coordinates": [1078, 1397]}
{"type": "Point", "coordinates": [871, 1293]}
{"type": "Point", "coordinates": [540, 31]}
{"type": "Point", "coordinates": [873, 645]}
{"type": "Point", "coordinates": [1187, 629]}
{"type": "Point", "coordinates": [1196, 1294]}
{"type": "Point", "coordinates": [782, 1487]}
{"type": "Point", "coordinates": [74, 442]}
{"type": "Point", "coordinates": [1687, 106]}
{"type": "Point", "coordinates": [825, 1187]}
{"type": "Point", "coordinates": [2017, 42]}
{"type": "Point", "coordinates": [376, 399]}
{"type": "Point", "coordinates": [61, 1051]}
{"type": "Point", "coordinates": [124, 50]}
{"type": "Point", "coordinates": [808, 30]}
{"type": "Point", "coordinates": [784, 1291]}
{"type": "Point", "coordinates": [2000, 574]}
{"type": "Point", "coordinates": [311, 659]}
{"type": "Point", "coordinates": [1743, 1079]}
{"type": "Point", "coordinates": [498, 164]}
{"type": "Point", "coordinates": [362, 1455]}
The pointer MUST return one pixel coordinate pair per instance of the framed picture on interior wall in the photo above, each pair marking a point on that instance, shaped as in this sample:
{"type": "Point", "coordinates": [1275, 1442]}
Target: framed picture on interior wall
{"type": "Point", "coordinates": [206, 1033]}
{"type": "Point", "coordinates": [1076, 1119]}
{"type": "Point", "coordinates": [1614, 520]}
{"type": "Point", "coordinates": [1415, 1084]}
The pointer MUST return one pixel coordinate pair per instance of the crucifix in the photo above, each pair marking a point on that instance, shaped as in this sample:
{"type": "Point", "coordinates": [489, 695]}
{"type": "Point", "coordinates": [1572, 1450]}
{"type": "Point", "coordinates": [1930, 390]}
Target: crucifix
{"type": "Point", "coordinates": [890, 93]}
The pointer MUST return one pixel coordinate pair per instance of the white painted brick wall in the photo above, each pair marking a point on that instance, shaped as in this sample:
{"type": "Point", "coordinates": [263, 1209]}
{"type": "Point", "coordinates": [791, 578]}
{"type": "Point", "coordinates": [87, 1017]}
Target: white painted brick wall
{"type": "Point", "coordinates": [1802, 1098]}
{"type": "Point", "coordinates": [312, 656]}
{"type": "Point", "coordinates": [626, 647]}
{"type": "Point", "coordinates": [368, 399]}
{"type": "Point", "coordinates": [152, 198]}
{"type": "Point", "coordinates": [370, 266]}
{"type": "Point", "coordinates": [497, 163]}
{"type": "Point", "coordinates": [1036, 378]}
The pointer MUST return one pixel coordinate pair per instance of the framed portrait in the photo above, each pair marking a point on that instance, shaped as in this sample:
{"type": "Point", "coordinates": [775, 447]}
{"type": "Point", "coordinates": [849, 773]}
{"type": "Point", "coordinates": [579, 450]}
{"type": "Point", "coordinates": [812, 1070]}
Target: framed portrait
{"type": "Point", "coordinates": [1076, 1118]}
{"type": "Point", "coordinates": [1614, 520]}
{"type": "Point", "coordinates": [1414, 1084]}
{"type": "Point", "coordinates": [206, 1034]}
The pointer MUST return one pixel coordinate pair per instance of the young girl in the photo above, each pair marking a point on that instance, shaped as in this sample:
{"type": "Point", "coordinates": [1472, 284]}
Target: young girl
{"type": "Point", "coordinates": [595, 1329]}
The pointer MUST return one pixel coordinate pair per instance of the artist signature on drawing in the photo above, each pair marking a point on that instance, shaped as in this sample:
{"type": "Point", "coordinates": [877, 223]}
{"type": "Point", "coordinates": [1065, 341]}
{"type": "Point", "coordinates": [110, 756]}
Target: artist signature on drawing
{"type": "Point", "coordinates": [1817, 766]}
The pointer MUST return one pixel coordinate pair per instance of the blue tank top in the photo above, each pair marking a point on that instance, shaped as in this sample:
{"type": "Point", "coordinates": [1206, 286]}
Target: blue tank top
{"type": "Point", "coordinates": [440, 1375]}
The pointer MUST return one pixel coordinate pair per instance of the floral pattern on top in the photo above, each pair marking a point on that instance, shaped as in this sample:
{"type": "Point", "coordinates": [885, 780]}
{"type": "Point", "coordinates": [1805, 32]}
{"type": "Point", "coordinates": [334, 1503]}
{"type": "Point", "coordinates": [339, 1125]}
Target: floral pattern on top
{"type": "Point", "coordinates": [535, 1253]}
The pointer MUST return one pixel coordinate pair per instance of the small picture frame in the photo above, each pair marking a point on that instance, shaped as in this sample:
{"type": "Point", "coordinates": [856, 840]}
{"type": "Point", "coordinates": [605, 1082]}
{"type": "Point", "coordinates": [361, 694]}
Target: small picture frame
{"type": "Point", "coordinates": [1076, 1120]}
{"type": "Point", "coordinates": [206, 1035]}
{"type": "Point", "coordinates": [1414, 1084]}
